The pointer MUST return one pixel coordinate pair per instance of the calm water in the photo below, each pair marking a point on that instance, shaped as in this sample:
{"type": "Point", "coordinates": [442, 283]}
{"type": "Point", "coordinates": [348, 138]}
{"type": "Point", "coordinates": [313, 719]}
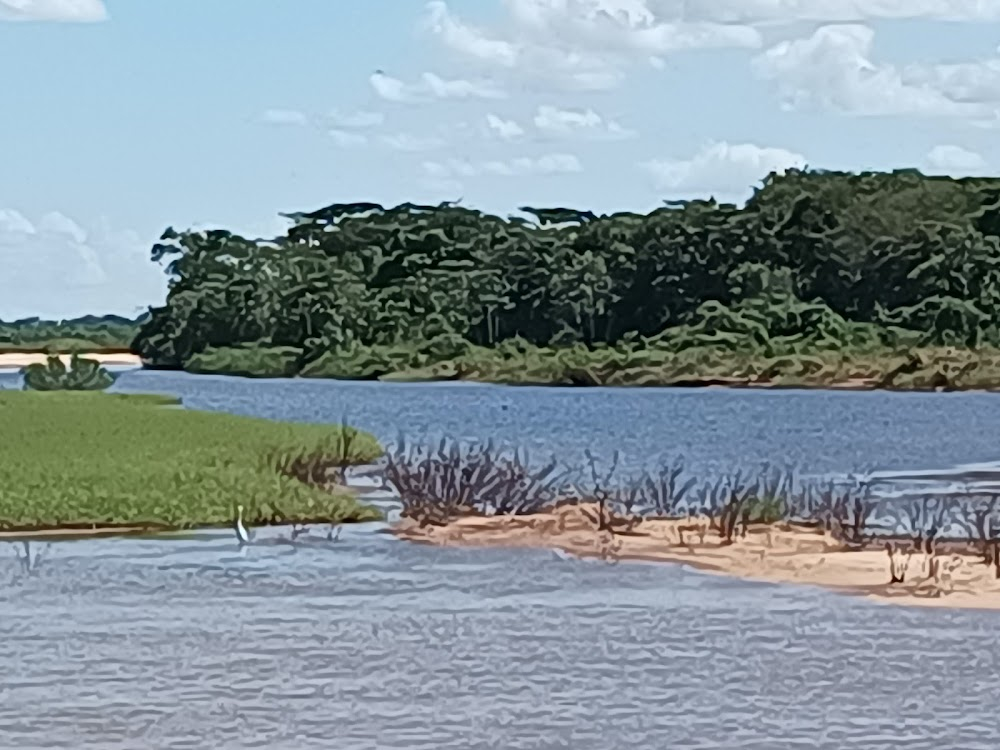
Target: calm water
{"type": "Point", "coordinates": [373, 643]}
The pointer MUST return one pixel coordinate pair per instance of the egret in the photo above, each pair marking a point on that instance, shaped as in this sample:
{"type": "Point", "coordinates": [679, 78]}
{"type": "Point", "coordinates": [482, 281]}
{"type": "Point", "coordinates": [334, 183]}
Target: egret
{"type": "Point", "coordinates": [241, 531]}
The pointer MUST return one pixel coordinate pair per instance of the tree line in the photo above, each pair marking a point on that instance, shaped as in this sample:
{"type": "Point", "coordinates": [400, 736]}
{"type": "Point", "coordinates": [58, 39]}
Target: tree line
{"type": "Point", "coordinates": [86, 333]}
{"type": "Point", "coordinates": [814, 259]}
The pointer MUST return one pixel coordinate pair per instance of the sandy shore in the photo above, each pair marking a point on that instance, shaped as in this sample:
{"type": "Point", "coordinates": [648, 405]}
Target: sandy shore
{"type": "Point", "coordinates": [777, 554]}
{"type": "Point", "coordinates": [17, 360]}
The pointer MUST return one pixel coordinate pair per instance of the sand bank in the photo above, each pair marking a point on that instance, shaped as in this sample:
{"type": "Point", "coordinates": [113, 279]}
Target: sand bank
{"type": "Point", "coordinates": [17, 360]}
{"type": "Point", "coordinates": [777, 554]}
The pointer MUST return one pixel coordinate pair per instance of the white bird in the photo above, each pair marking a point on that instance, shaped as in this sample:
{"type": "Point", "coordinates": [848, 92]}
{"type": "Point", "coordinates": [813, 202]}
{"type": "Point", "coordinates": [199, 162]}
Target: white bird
{"type": "Point", "coordinates": [242, 536]}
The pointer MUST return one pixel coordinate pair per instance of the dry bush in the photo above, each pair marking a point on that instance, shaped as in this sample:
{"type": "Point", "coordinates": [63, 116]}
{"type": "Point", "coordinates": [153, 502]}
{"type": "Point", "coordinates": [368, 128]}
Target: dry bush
{"type": "Point", "coordinates": [436, 485]}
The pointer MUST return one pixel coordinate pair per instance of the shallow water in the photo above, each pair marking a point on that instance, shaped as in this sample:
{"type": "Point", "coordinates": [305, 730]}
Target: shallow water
{"type": "Point", "coordinates": [369, 642]}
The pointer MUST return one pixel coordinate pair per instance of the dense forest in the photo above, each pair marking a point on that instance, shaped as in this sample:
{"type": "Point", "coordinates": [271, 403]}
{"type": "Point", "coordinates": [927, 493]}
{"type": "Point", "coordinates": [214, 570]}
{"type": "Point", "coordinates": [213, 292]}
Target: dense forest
{"type": "Point", "coordinates": [880, 277]}
{"type": "Point", "coordinates": [90, 333]}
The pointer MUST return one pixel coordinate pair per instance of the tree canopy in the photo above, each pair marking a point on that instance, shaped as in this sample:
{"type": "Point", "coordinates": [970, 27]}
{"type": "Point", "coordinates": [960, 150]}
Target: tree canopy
{"type": "Point", "coordinates": [825, 258]}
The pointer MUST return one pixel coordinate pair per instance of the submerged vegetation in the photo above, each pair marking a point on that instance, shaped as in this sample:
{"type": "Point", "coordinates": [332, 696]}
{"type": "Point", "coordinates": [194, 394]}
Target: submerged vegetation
{"type": "Point", "coordinates": [878, 279]}
{"type": "Point", "coordinates": [83, 460]}
{"type": "Point", "coordinates": [81, 375]}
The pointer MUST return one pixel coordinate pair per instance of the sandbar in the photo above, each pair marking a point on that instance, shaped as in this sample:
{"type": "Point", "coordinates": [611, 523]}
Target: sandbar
{"type": "Point", "coordinates": [780, 553]}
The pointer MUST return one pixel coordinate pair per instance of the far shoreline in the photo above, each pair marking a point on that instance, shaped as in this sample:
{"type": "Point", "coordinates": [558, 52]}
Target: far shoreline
{"type": "Point", "coordinates": [16, 360]}
{"type": "Point", "coordinates": [11, 360]}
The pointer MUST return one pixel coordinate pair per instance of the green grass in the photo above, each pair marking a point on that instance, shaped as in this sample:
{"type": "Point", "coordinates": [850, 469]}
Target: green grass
{"type": "Point", "coordinates": [77, 460]}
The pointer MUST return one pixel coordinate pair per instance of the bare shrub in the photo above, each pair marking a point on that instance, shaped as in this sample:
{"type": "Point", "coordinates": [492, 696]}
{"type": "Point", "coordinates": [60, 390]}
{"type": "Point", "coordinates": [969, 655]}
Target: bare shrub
{"type": "Point", "coordinates": [436, 485]}
{"type": "Point", "coordinates": [844, 512]}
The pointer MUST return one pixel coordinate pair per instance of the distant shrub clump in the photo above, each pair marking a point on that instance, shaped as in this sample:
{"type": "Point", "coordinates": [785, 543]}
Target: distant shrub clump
{"type": "Point", "coordinates": [81, 375]}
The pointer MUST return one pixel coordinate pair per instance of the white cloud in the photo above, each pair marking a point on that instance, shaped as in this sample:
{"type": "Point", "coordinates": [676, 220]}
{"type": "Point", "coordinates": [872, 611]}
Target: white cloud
{"type": "Point", "coordinates": [553, 121]}
{"type": "Point", "coordinates": [55, 223]}
{"type": "Point", "coordinates": [507, 130]}
{"type": "Point", "coordinates": [579, 44]}
{"type": "Point", "coordinates": [460, 89]}
{"type": "Point", "coordinates": [75, 11]}
{"type": "Point", "coordinates": [727, 171]}
{"type": "Point", "coordinates": [954, 160]}
{"type": "Point", "coordinates": [832, 69]}
{"type": "Point", "coordinates": [346, 139]}
{"type": "Point", "coordinates": [407, 142]}
{"type": "Point", "coordinates": [14, 223]}
{"type": "Point", "coordinates": [838, 11]}
{"type": "Point", "coordinates": [974, 83]}
{"type": "Point", "coordinates": [467, 39]}
{"type": "Point", "coordinates": [54, 267]}
{"type": "Point", "coordinates": [359, 119]}
{"type": "Point", "coordinates": [547, 164]}
{"type": "Point", "coordinates": [284, 117]}
{"type": "Point", "coordinates": [590, 44]}
{"type": "Point", "coordinates": [431, 86]}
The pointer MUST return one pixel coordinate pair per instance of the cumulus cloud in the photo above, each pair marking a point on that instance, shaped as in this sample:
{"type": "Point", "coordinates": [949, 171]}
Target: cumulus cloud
{"type": "Point", "coordinates": [346, 139]}
{"type": "Point", "coordinates": [360, 119]}
{"type": "Point", "coordinates": [840, 11]}
{"type": "Point", "coordinates": [55, 267]}
{"type": "Point", "coordinates": [284, 117]}
{"type": "Point", "coordinates": [507, 130]}
{"type": "Point", "coordinates": [553, 121]}
{"type": "Point", "coordinates": [407, 142]}
{"type": "Point", "coordinates": [970, 83]}
{"type": "Point", "coordinates": [578, 44]}
{"type": "Point", "coordinates": [954, 160]}
{"type": "Point", "coordinates": [72, 11]}
{"type": "Point", "coordinates": [832, 69]}
{"type": "Point", "coordinates": [431, 86]}
{"type": "Point", "coordinates": [726, 171]}
{"type": "Point", "coordinates": [469, 40]}
{"type": "Point", "coordinates": [547, 164]}
{"type": "Point", "coordinates": [590, 44]}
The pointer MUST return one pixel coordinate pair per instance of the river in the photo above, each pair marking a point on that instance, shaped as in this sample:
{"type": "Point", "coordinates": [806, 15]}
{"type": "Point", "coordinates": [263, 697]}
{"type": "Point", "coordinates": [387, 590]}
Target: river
{"type": "Point", "coordinates": [368, 642]}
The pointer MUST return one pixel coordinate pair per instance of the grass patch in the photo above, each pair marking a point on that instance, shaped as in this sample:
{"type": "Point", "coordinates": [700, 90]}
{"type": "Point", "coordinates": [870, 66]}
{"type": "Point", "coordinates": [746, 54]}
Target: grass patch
{"type": "Point", "coordinates": [78, 460]}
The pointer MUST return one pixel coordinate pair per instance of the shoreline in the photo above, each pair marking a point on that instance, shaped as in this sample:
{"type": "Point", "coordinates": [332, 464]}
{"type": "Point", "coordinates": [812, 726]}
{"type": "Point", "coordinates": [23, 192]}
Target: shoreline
{"type": "Point", "coordinates": [779, 554]}
{"type": "Point", "coordinates": [72, 532]}
{"type": "Point", "coordinates": [708, 382]}
{"type": "Point", "coordinates": [17, 360]}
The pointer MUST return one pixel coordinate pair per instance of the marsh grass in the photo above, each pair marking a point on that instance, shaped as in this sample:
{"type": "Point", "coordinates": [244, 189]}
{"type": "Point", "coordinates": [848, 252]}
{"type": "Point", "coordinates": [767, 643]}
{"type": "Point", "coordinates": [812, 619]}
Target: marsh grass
{"type": "Point", "coordinates": [79, 460]}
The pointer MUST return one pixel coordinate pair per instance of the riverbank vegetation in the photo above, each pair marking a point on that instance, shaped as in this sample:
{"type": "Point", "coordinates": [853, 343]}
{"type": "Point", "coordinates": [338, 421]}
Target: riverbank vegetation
{"type": "Point", "coordinates": [85, 460]}
{"type": "Point", "coordinates": [773, 525]}
{"type": "Point", "coordinates": [81, 374]}
{"type": "Point", "coordinates": [872, 280]}
{"type": "Point", "coordinates": [90, 333]}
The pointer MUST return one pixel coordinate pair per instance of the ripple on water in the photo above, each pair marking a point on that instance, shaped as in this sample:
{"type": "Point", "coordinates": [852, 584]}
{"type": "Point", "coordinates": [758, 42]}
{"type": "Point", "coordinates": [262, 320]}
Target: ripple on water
{"type": "Point", "coordinates": [370, 642]}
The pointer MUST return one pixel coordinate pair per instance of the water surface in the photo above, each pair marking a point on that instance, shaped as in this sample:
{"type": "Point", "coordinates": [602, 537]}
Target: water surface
{"type": "Point", "coordinates": [369, 642]}
{"type": "Point", "coordinates": [373, 643]}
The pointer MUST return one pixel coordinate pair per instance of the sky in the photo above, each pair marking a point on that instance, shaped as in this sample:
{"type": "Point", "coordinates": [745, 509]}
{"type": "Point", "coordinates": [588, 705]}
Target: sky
{"type": "Point", "coordinates": [124, 117]}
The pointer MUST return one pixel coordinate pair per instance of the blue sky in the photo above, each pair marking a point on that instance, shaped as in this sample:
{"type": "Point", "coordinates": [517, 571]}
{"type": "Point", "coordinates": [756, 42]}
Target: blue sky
{"type": "Point", "coordinates": [125, 116]}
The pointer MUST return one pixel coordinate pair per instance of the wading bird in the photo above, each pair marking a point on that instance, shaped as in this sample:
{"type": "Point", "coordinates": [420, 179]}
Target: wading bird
{"type": "Point", "coordinates": [242, 536]}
